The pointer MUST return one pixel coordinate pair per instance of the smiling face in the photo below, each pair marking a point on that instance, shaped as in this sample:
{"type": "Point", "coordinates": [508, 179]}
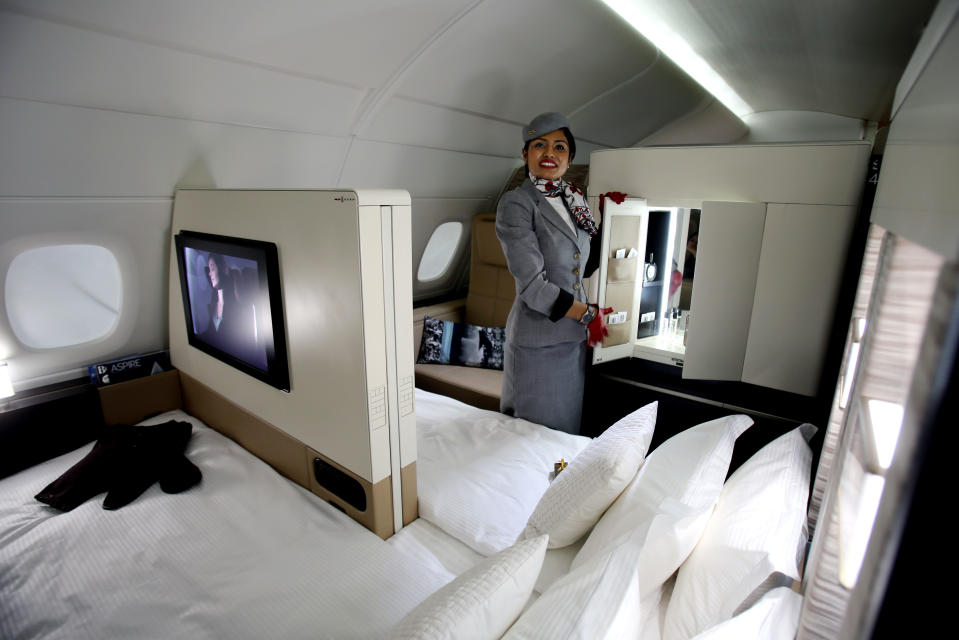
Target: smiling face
{"type": "Point", "coordinates": [548, 156]}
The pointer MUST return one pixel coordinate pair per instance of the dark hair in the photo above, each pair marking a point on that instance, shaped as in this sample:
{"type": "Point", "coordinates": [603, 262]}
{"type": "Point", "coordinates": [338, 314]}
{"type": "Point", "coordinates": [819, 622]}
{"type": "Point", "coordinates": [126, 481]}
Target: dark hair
{"type": "Point", "coordinates": [221, 268]}
{"type": "Point", "coordinates": [219, 261]}
{"type": "Point", "coordinates": [569, 138]}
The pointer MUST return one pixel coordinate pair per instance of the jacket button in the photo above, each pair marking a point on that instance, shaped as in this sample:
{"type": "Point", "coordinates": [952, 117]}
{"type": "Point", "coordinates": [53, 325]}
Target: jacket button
{"type": "Point", "coordinates": [576, 285]}
{"type": "Point", "coordinates": [576, 271]}
{"type": "Point", "coordinates": [576, 256]}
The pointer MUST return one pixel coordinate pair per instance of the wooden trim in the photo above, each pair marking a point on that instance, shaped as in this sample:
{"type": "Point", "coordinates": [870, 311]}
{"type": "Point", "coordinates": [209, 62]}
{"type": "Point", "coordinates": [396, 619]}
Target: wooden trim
{"type": "Point", "coordinates": [132, 401]}
{"type": "Point", "coordinates": [135, 400]}
{"type": "Point", "coordinates": [272, 445]}
{"type": "Point", "coordinates": [378, 516]}
{"type": "Point", "coordinates": [410, 501]}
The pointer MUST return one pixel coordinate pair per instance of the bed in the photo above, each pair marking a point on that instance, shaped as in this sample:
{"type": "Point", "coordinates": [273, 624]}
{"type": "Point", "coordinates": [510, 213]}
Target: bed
{"type": "Point", "coordinates": [616, 544]}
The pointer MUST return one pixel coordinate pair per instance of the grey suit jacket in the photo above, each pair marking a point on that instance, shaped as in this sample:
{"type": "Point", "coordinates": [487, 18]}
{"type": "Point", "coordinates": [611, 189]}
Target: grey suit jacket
{"type": "Point", "coordinates": [545, 256]}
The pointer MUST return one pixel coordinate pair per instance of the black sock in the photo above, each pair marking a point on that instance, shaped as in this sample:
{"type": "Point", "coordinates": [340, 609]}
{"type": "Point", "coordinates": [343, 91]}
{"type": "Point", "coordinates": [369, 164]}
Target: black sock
{"type": "Point", "coordinates": [179, 475]}
{"type": "Point", "coordinates": [149, 449]}
{"type": "Point", "coordinates": [87, 478]}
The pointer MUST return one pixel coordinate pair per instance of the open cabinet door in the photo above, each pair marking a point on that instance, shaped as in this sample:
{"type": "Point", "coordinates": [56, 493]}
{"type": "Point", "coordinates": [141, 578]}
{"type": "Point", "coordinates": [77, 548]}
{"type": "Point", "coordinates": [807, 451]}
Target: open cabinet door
{"type": "Point", "coordinates": [800, 273]}
{"type": "Point", "coordinates": [620, 274]}
{"type": "Point", "coordinates": [727, 265]}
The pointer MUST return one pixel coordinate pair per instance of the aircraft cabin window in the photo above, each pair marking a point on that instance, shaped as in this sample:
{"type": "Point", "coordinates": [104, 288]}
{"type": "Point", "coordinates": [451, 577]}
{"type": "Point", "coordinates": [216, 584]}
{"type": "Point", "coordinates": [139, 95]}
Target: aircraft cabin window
{"type": "Point", "coordinates": [440, 251]}
{"type": "Point", "coordinates": [63, 295]}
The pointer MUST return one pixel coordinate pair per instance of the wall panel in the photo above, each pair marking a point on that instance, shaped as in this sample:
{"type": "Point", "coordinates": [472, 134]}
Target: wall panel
{"type": "Point", "coordinates": [54, 150]}
{"type": "Point", "coordinates": [407, 121]}
{"type": "Point", "coordinates": [303, 36]}
{"type": "Point", "coordinates": [425, 172]}
{"type": "Point", "coordinates": [51, 62]}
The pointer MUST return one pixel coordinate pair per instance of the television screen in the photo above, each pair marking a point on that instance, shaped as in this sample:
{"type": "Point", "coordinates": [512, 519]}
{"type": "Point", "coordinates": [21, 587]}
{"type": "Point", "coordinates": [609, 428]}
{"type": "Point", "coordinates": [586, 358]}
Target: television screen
{"type": "Point", "coordinates": [232, 303]}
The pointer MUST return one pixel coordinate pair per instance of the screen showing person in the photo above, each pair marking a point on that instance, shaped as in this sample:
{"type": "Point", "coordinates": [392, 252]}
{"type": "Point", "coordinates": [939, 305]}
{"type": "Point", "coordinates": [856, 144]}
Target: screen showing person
{"type": "Point", "coordinates": [226, 302]}
{"type": "Point", "coordinates": [233, 304]}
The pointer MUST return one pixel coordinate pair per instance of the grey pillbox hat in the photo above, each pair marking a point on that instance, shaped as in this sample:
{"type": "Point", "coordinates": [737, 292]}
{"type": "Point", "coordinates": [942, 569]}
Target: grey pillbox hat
{"type": "Point", "coordinates": [544, 123]}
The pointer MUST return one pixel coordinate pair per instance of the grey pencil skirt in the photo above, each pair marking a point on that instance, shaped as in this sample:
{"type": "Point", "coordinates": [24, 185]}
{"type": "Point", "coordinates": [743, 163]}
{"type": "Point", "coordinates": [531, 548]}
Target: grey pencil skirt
{"type": "Point", "coordinates": [545, 384]}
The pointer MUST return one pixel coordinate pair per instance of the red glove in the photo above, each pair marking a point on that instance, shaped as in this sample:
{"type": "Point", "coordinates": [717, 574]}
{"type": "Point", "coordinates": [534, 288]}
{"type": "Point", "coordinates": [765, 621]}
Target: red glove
{"type": "Point", "coordinates": [597, 327]}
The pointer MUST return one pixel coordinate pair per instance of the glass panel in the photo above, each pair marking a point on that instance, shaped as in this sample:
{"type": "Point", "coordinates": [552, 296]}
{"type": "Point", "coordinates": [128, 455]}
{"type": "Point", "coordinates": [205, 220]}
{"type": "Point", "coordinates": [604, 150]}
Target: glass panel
{"type": "Point", "coordinates": [63, 295]}
{"type": "Point", "coordinates": [857, 515]}
{"type": "Point", "coordinates": [687, 265]}
{"type": "Point", "coordinates": [668, 268]}
{"type": "Point", "coordinates": [883, 422]}
{"type": "Point", "coordinates": [857, 331]}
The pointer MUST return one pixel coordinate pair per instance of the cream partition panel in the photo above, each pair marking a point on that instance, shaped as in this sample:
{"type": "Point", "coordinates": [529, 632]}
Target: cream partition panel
{"type": "Point", "coordinates": [725, 284]}
{"type": "Point", "coordinates": [827, 173]}
{"type": "Point", "coordinates": [918, 195]}
{"type": "Point", "coordinates": [346, 279]}
{"type": "Point", "coordinates": [796, 286]}
{"type": "Point", "coordinates": [776, 222]}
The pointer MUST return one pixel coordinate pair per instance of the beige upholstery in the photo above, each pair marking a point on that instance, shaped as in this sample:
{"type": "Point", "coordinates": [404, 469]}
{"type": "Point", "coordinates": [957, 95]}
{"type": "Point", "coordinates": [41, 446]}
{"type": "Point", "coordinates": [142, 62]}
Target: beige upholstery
{"type": "Point", "coordinates": [490, 296]}
{"type": "Point", "coordinates": [492, 288]}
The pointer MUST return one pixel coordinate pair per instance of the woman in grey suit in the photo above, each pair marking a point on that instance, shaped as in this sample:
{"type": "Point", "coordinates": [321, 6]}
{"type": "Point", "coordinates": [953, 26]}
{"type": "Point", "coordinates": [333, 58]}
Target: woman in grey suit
{"type": "Point", "coordinates": [547, 229]}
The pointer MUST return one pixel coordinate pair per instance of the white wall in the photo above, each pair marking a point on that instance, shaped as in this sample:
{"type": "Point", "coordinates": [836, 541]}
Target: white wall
{"type": "Point", "coordinates": [918, 192]}
{"type": "Point", "coordinates": [107, 108]}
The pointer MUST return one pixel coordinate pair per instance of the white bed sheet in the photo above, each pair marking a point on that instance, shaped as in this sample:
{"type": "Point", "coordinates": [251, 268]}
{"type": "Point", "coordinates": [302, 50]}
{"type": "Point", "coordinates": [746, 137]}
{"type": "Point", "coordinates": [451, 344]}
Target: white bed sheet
{"type": "Point", "coordinates": [249, 554]}
{"type": "Point", "coordinates": [246, 554]}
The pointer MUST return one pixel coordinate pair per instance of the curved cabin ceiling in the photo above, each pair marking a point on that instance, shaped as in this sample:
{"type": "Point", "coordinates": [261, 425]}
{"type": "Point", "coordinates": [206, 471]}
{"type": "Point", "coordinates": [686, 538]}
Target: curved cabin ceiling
{"type": "Point", "coordinates": [460, 72]}
{"type": "Point", "coordinates": [135, 98]}
{"type": "Point", "coordinates": [842, 57]}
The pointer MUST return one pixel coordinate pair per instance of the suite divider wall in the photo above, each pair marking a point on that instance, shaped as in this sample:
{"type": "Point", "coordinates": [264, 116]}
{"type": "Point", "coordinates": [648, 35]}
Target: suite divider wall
{"type": "Point", "coordinates": [775, 222]}
{"type": "Point", "coordinates": [346, 276]}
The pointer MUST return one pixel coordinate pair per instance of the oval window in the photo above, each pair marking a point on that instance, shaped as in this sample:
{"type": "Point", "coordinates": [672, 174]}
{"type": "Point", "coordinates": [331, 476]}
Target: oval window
{"type": "Point", "coordinates": [439, 251]}
{"type": "Point", "coordinates": [63, 295]}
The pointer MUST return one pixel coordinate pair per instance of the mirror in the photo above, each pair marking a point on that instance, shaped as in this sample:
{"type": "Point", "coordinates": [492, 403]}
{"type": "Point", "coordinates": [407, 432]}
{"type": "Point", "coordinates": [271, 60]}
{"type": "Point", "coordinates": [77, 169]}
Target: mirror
{"type": "Point", "coordinates": [687, 267]}
{"type": "Point", "coordinates": [668, 270]}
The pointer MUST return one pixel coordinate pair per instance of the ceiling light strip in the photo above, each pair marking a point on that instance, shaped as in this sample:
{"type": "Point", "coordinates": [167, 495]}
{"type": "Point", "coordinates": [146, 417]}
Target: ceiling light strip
{"type": "Point", "coordinates": [642, 18]}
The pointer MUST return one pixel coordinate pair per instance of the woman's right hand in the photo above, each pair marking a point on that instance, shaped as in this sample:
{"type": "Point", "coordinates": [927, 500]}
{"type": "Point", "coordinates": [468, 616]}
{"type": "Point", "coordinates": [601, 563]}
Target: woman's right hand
{"type": "Point", "coordinates": [597, 328]}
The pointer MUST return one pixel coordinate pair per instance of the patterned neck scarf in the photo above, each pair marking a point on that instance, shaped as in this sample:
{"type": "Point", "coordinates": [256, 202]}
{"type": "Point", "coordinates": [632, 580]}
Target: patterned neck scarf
{"type": "Point", "coordinates": [572, 197]}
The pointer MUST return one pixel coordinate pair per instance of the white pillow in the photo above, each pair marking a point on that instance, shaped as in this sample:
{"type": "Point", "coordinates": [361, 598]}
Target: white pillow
{"type": "Point", "coordinates": [774, 617]}
{"type": "Point", "coordinates": [758, 528]}
{"type": "Point", "coordinates": [584, 490]}
{"type": "Point", "coordinates": [480, 473]}
{"type": "Point", "coordinates": [480, 603]}
{"type": "Point", "coordinates": [599, 599]}
{"type": "Point", "coordinates": [669, 501]}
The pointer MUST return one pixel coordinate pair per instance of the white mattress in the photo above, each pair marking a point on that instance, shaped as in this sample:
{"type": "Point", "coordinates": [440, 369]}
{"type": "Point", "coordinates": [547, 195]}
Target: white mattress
{"type": "Point", "coordinates": [246, 554]}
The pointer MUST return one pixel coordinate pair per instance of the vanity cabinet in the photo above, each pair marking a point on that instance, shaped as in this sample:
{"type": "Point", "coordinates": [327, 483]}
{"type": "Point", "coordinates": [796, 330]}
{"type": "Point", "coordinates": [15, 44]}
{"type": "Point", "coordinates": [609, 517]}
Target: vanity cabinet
{"type": "Point", "coordinates": [771, 225]}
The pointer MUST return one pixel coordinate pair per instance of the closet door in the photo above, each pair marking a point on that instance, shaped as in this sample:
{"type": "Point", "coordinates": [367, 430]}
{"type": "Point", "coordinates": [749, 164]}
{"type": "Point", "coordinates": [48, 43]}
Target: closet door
{"type": "Point", "coordinates": [727, 263]}
{"type": "Point", "coordinates": [620, 278]}
{"type": "Point", "coordinates": [800, 268]}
